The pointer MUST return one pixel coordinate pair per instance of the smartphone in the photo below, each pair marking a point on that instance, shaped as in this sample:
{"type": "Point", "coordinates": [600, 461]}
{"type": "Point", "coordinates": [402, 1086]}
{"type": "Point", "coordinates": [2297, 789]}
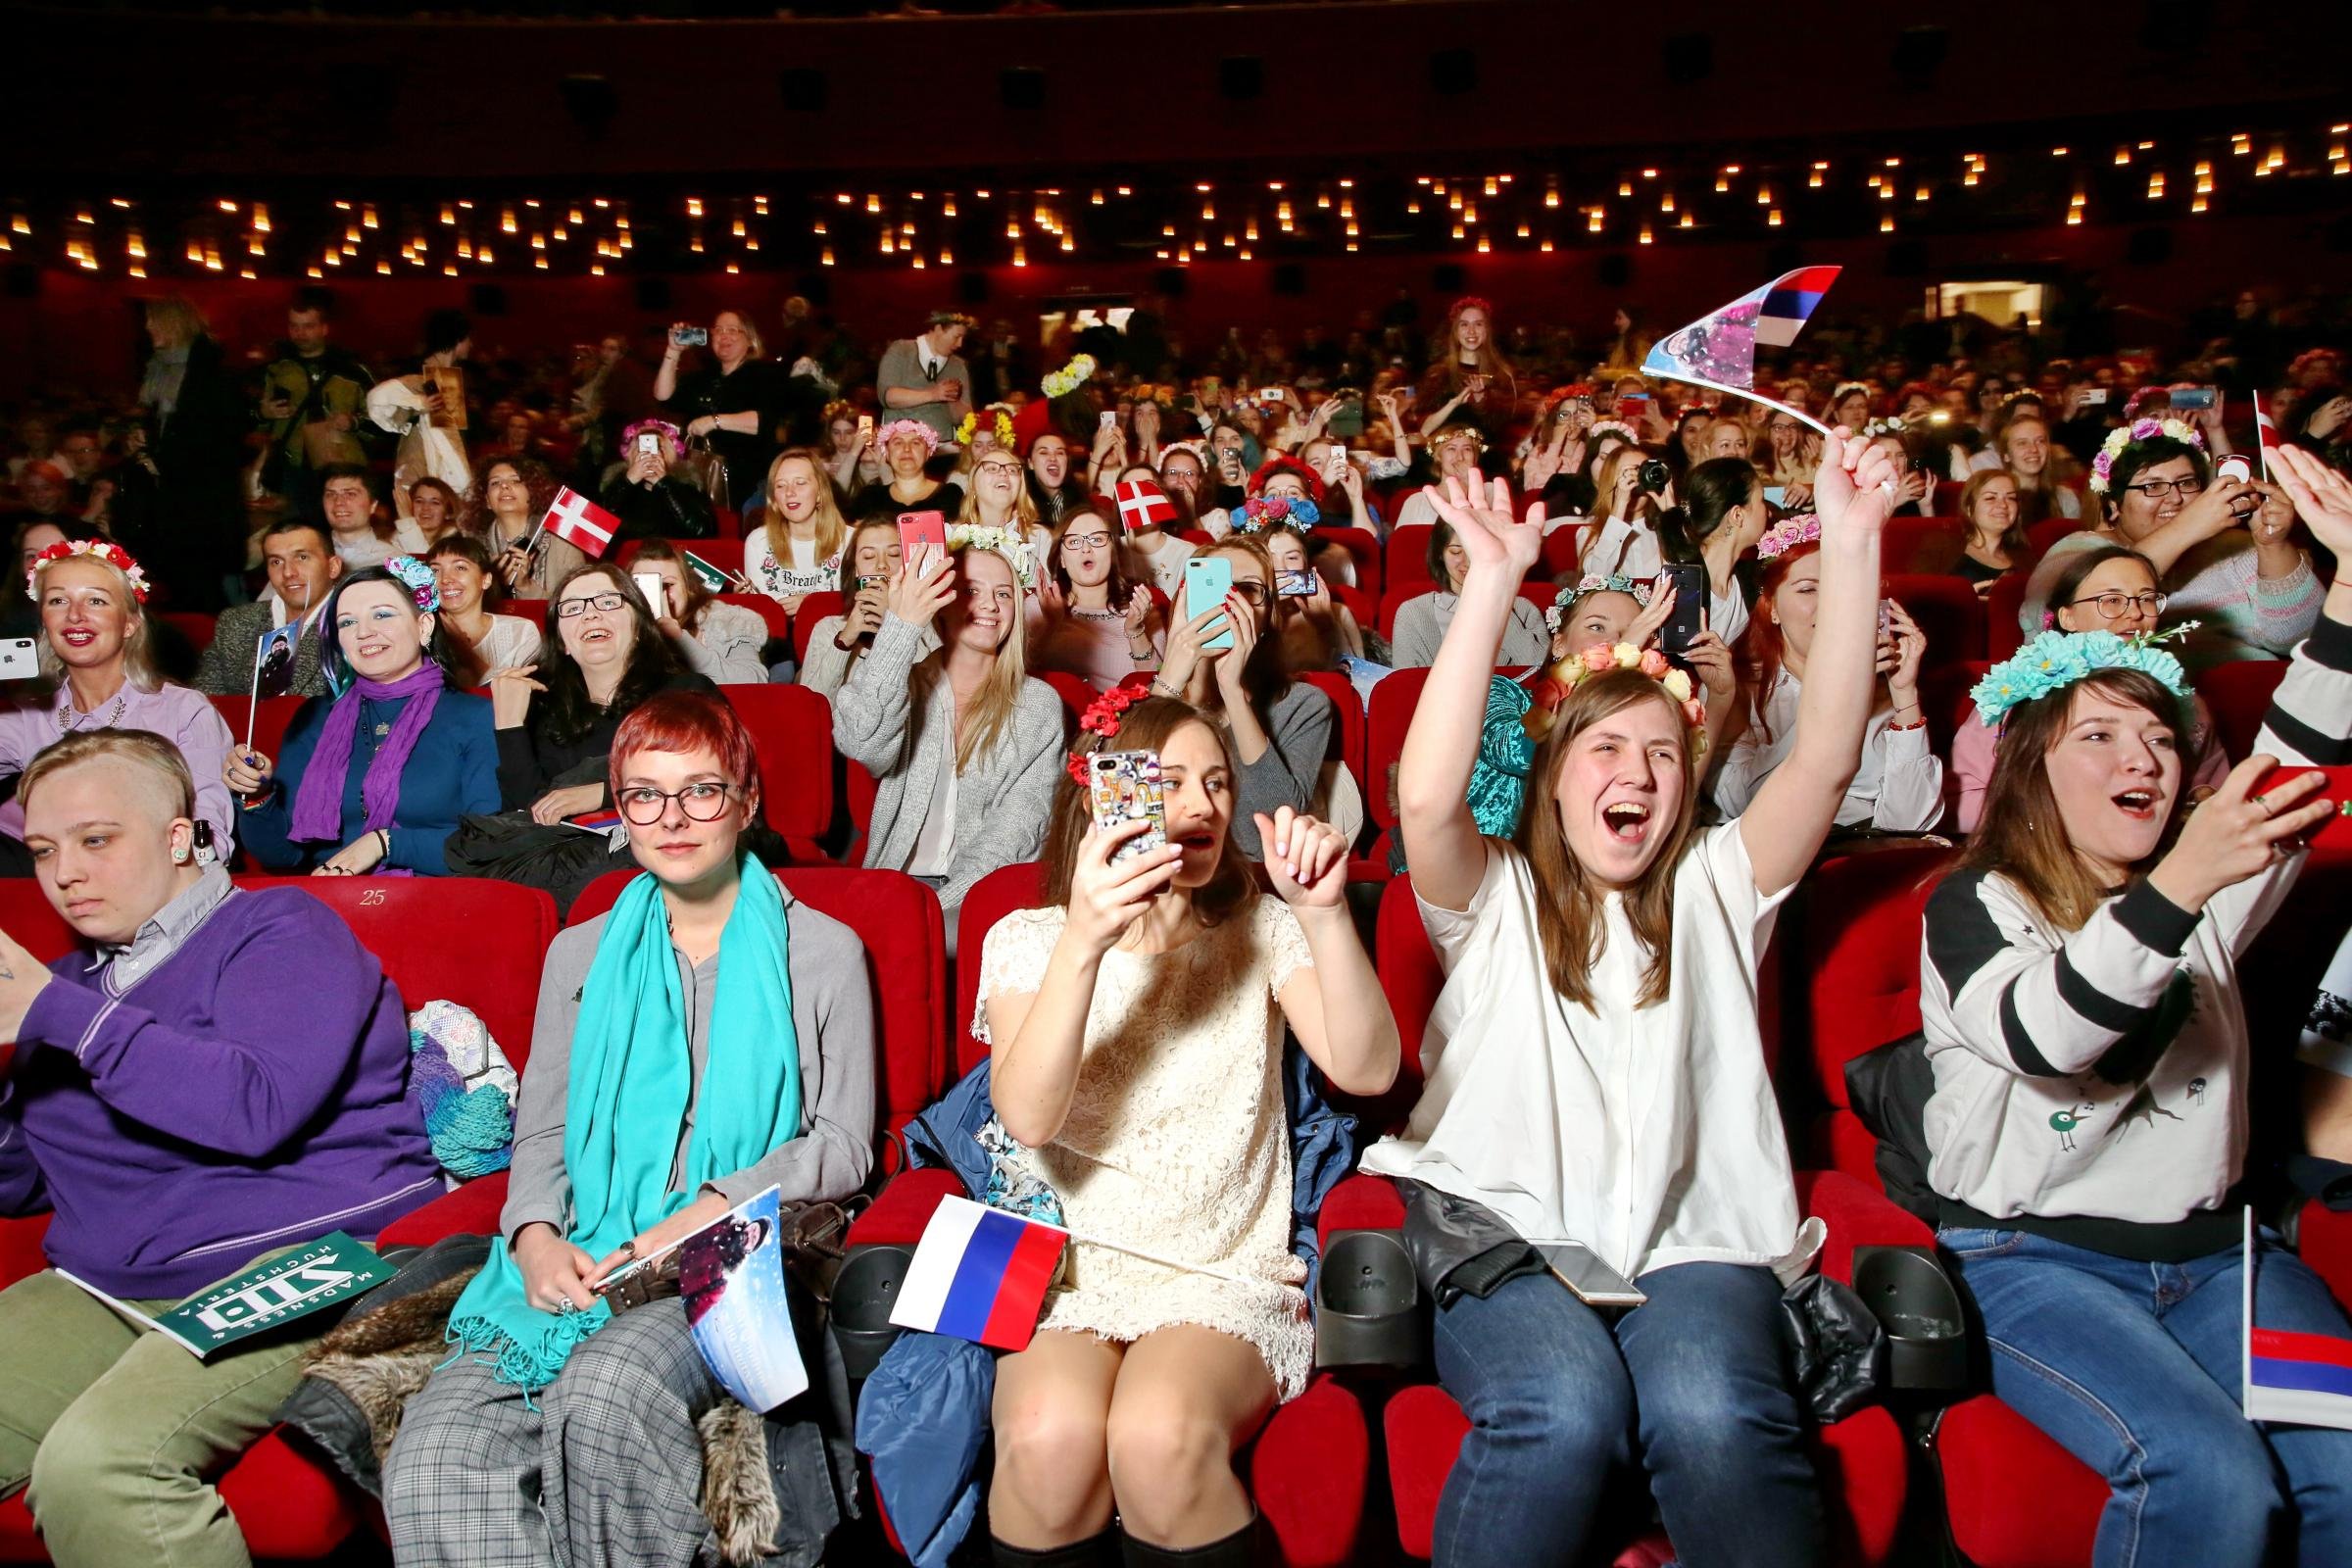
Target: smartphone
{"type": "Point", "coordinates": [657, 594]}
{"type": "Point", "coordinates": [1592, 1281]}
{"type": "Point", "coordinates": [865, 430]}
{"type": "Point", "coordinates": [1206, 582]}
{"type": "Point", "coordinates": [1106, 419]}
{"type": "Point", "coordinates": [1269, 394]}
{"type": "Point", "coordinates": [1886, 619]}
{"type": "Point", "coordinates": [690, 337]}
{"type": "Point", "coordinates": [1776, 494]}
{"type": "Point", "coordinates": [649, 442]}
{"type": "Point", "coordinates": [1632, 402]}
{"type": "Point", "coordinates": [2234, 466]}
{"type": "Point", "coordinates": [20, 658]}
{"type": "Point", "coordinates": [2094, 397]}
{"type": "Point", "coordinates": [1126, 788]}
{"type": "Point", "coordinates": [2194, 397]}
{"type": "Point", "coordinates": [863, 583]}
{"type": "Point", "coordinates": [922, 528]}
{"type": "Point", "coordinates": [1691, 595]}
{"type": "Point", "coordinates": [1297, 584]}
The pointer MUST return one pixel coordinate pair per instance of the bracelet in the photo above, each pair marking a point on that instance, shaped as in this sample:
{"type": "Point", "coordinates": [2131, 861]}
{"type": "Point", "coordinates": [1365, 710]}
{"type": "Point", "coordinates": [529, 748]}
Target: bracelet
{"type": "Point", "coordinates": [384, 837]}
{"type": "Point", "coordinates": [1920, 722]}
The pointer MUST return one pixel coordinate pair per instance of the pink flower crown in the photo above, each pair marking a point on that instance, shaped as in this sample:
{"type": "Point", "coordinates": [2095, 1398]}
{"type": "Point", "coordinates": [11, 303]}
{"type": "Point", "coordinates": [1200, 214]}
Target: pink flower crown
{"type": "Point", "coordinates": [106, 549]}
{"type": "Point", "coordinates": [899, 427]}
{"type": "Point", "coordinates": [1551, 689]}
{"type": "Point", "coordinates": [1786, 534]}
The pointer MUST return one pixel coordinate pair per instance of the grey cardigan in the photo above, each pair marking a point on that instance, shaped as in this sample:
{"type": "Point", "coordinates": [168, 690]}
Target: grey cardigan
{"type": "Point", "coordinates": [828, 664]}
{"type": "Point", "coordinates": [725, 649]}
{"type": "Point", "coordinates": [1297, 733]}
{"type": "Point", "coordinates": [1421, 624]}
{"type": "Point", "coordinates": [832, 1013]}
{"type": "Point", "coordinates": [1001, 800]}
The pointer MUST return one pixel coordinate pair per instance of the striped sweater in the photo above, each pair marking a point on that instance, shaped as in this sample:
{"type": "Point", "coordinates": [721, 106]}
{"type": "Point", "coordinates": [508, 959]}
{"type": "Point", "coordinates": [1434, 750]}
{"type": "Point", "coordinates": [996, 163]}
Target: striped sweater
{"type": "Point", "coordinates": [2091, 1085]}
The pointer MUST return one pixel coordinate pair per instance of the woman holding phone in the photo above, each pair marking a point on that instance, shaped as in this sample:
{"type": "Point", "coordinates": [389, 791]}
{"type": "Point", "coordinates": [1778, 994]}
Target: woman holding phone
{"type": "Point", "coordinates": [1136, 1021]}
{"type": "Point", "coordinates": [735, 404]}
{"type": "Point", "coordinates": [718, 641]}
{"type": "Point", "coordinates": [838, 642]}
{"type": "Point", "coordinates": [1473, 383]}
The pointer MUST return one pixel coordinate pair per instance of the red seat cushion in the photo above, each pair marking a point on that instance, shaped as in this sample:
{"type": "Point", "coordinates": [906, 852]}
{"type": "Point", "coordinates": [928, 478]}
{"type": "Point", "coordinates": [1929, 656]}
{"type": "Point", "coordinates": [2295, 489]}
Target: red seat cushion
{"type": "Point", "coordinates": [1347, 719]}
{"type": "Point", "coordinates": [2014, 1498]}
{"type": "Point", "coordinates": [1309, 1471]}
{"type": "Point", "coordinates": [814, 609]}
{"type": "Point", "coordinates": [2239, 695]}
{"type": "Point", "coordinates": [469, 1209]}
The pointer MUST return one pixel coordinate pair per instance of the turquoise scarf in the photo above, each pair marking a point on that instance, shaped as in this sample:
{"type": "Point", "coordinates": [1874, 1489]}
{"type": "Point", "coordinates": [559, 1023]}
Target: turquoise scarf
{"type": "Point", "coordinates": [626, 1100]}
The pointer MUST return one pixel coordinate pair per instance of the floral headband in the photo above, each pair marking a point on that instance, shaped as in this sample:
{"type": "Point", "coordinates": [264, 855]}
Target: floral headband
{"type": "Point", "coordinates": [1846, 389]}
{"type": "Point", "coordinates": [2056, 660]}
{"type": "Point", "coordinates": [1551, 689]}
{"type": "Point", "coordinates": [1886, 426]}
{"type": "Point", "coordinates": [1102, 721]}
{"type": "Point", "coordinates": [1786, 534]}
{"type": "Point", "coordinates": [2103, 465]}
{"type": "Point", "coordinates": [1616, 582]}
{"type": "Point", "coordinates": [1260, 513]}
{"type": "Point", "coordinates": [1616, 427]}
{"type": "Point", "coordinates": [1001, 427]}
{"type": "Point", "coordinates": [1069, 379]}
{"type": "Point", "coordinates": [418, 579]}
{"type": "Point", "coordinates": [662, 427]}
{"type": "Point", "coordinates": [106, 549]}
{"type": "Point", "coordinates": [899, 427]}
{"type": "Point", "coordinates": [997, 541]}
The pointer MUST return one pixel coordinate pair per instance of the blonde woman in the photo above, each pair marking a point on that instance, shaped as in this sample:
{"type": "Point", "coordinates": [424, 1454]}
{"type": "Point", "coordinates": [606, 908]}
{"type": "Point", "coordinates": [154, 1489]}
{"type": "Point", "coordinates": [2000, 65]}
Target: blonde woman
{"type": "Point", "coordinates": [734, 405]}
{"type": "Point", "coordinates": [964, 747]}
{"type": "Point", "coordinates": [801, 511]}
{"type": "Point", "coordinates": [998, 498]}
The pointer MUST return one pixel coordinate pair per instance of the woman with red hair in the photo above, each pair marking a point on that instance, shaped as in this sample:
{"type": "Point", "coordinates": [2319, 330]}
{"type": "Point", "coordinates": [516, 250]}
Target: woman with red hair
{"type": "Point", "coordinates": [1473, 382]}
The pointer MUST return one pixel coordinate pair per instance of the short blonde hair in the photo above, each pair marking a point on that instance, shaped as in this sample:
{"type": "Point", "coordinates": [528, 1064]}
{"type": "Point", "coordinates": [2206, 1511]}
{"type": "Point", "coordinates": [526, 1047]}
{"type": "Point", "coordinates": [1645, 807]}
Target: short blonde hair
{"type": "Point", "coordinates": [140, 748]}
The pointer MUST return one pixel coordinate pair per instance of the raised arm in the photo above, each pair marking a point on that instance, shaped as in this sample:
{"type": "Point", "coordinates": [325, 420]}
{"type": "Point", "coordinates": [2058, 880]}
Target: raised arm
{"type": "Point", "coordinates": [1794, 808]}
{"type": "Point", "coordinates": [1442, 841]}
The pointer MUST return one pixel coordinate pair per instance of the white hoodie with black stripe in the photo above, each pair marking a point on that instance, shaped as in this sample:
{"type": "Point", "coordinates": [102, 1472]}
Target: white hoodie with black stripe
{"type": "Point", "coordinates": [2091, 1085]}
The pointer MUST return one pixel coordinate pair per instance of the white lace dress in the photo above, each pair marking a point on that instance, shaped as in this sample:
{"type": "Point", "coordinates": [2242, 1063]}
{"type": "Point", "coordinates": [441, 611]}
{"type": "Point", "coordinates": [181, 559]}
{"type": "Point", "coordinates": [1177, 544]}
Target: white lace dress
{"type": "Point", "coordinates": [1177, 1140]}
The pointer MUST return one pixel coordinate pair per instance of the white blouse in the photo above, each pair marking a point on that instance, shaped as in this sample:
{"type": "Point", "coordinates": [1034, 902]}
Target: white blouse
{"type": "Point", "coordinates": [1651, 1134]}
{"type": "Point", "coordinates": [788, 577]}
{"type": "Point", "coordinates": [1898, 785]}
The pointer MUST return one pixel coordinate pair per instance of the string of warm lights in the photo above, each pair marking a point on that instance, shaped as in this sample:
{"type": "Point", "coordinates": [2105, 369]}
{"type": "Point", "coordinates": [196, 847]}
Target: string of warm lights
{"type": "Point", "coordinates": [1176, 223]}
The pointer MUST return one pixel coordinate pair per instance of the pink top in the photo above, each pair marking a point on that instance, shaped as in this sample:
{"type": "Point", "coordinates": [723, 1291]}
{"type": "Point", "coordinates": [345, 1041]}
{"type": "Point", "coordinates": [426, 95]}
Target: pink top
{"type": "Point", "coordinates": [1973, 747]}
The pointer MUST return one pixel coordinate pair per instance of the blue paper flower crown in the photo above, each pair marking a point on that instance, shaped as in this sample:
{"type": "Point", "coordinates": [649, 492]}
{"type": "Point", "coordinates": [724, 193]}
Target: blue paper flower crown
{"type": "Point", "coordinates": [2057, 660]}
{"type": "Point", "coordinates": [1594, 583]}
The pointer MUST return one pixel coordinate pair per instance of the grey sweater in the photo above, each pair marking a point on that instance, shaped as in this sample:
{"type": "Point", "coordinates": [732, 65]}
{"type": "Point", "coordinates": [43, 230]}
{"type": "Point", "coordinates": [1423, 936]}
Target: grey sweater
{"type": "Point", "coordinates": [1421, 625]}
{"type": "Point", "coordinates": [832, 1013]}
{"type": "Point", "coordinates": [828, 664]}
{"type": "Point", "coordinates": [1297, 733]}
{"type": "Point", "coordinates": [1001, 800]}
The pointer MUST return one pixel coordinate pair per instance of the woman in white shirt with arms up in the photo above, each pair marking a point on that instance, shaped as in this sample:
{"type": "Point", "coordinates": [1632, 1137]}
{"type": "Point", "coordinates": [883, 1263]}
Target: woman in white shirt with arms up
{"type": "Point", "coordinates": [1594, 1074]}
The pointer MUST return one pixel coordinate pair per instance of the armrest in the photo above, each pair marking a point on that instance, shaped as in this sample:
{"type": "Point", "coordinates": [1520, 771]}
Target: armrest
{"type": "Point", "coordinates": [903, 1207]}
{"type": "Point", "coordinates": [1360, 1203]}
{"type": "Point", "coordinates": [1858, 1215]}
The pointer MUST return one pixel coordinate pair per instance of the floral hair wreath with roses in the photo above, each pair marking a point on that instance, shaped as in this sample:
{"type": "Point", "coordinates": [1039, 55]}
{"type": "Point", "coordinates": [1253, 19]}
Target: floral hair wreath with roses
{"type": "Point", "coordinates": [1100, 722]}
{"type": "Point", "coordinates": [106, 549]}
{"type": "Point", "coordinates": [1616, 582]}
{"type": "Point", "coordinates": [424, 588]}
{"type": "Point", "coordinates": [997, 541]}
{"type": "Point", "coordinates": [1552, 688]}
{"type": "Point", "coordinates": [1001, 427]}
{"type": "Point", "coordinates": [1804, 528]}
{"type": "Point", "coordinates": [899, 427]}
{"type": "Point", "coordinates": [1260, 513]}
{"type": "Point", "coordinates": [1069, 379]}
{"type": "Point", "coordinates": [2103, 467]}
{"type": "Point", "coordinates": [1616, 427]}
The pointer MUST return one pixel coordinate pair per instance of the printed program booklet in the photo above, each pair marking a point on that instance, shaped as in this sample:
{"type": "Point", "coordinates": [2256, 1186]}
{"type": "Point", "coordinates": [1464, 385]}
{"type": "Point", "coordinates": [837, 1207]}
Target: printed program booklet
{"type": "Point", "coordinates": [731, 1273]}
{"type": "Point", "coordinates": [326, 1273]}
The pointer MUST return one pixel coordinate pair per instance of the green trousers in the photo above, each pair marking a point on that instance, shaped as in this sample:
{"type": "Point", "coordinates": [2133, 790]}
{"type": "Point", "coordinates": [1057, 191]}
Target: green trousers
{"type": "Point", "coordinates": [121, 1432]}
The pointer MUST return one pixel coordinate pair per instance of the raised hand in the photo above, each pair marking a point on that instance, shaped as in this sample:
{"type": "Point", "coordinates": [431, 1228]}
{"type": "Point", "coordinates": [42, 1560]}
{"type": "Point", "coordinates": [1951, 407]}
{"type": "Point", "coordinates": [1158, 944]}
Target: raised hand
{"type": "Point", "coordinates": [1489, 536]}
{"type": "Point", "coordinates": [2235, 833]}
{"type": "Point", "coordinates": [1306, 859]}
{"type": "Point", "coordinates": [1105, 898]}
{"type": "Point", "coordinates": [923, 585]}
{"type": "Point", "coordinates": [2322, 496]}
{"type": "Point", "coordinates": [1855, 486]}
{"type": "Point", "coordinates": [247, 772]}
{"type": "Point", "coordinates": [1645, 625]}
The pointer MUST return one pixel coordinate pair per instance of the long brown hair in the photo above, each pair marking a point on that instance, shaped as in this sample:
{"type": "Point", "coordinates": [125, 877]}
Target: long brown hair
{"type": "Point", "coordinates": [697, 596]}
{"type": "Point", "coordinates": [2013, 542]}
{"type": "Point", "coordinates": [2022, 835]}
{"type": "Point", "coordinates": [994, 704]}
{"type": "Point", "coordinates": [1120, 587]}
{"type": "Point", "coordinates": [1146, 728]}
{"type": "Point", "coordinates": [1569, 903]}
{"type": "Point", "coordinates": [831, 530]}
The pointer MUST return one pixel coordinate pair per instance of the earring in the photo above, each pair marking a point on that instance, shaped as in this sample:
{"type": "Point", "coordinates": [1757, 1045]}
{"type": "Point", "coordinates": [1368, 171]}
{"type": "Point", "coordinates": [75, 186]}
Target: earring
{"type": "Point", "coordinates": [179, 854]}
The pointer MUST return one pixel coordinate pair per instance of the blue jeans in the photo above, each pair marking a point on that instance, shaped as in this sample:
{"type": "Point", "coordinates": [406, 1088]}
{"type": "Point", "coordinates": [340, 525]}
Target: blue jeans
{"type": "Point", "coordinates": [1694, 1387]}
{"type": "Point", "coordinates": [2136, 1370]}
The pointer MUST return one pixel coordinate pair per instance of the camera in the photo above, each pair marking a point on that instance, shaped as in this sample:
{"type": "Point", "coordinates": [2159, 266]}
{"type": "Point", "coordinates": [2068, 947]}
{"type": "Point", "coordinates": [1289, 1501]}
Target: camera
{"type": "Point", "coordinates": [1653, 476]}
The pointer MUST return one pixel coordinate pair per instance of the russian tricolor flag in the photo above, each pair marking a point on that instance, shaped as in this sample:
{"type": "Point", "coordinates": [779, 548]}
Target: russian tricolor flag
{"type": "Point", "coordinates": [979, 1274]}
{"type": "Point", "coordinates": [1719, 349]}
{"type": "Point", "coordinates": [2302, 1379]}
{"type": "Point", "coordinates": [1788, 301]}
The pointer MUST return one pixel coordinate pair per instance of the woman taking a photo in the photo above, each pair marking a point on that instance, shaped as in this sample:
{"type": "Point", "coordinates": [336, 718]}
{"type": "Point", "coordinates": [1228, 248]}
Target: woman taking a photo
{"type": "Point", "coordinates": [718, 641]}
{"type": "Point", "coordinates": [477, 641]}
{"type": "Point", "coordinates": [1318, 632]}
{"type": "Point", "coordinates": [1089, 617]}
{"type": "Point", "coordinates": [1614, 935]}
{"type": "Point", "coordinates": [963, 745]}
{"type": "Point", "coordinates": [96, 655]}
{"type": "Point", "coordinates": [375, 780]}
{"type": "Point", "coordinates": [2087, 1132]}
{"type": "Point", "coordinates": [735, 404]}
{"type": "Point", "coordinates": [1473, 385]}
{"type": "Point", "coordinates": [709, 1038]}
{"type": "Point", "coordinates": [838, 642]}
{"type": "Point", "coordinates": [797, 551]}
{"type": "Point", "coordinates": [1140, 1011]}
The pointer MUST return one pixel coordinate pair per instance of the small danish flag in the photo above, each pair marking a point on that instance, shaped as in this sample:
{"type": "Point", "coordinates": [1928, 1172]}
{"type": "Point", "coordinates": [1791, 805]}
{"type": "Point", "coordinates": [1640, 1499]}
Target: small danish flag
{"type": "Point", "coordinates": [577, 521]}
{"type": "Point", "coordinates": [2266, 434]}
{"type": "Point", "coordinates": [1143, 504]}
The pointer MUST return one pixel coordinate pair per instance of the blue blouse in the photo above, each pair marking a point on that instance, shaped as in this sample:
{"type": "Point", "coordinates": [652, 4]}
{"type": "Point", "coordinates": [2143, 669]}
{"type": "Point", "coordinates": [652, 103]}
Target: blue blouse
{"type": "Point", "coordinates": [451, 773]}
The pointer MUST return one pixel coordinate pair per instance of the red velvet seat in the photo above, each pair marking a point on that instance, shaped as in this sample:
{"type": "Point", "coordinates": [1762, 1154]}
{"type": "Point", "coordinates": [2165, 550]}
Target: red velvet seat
{"type": "Point", "coordinates": [1362, 547]}
{"type": "Point", "coordinates": [533, 611]}
{"type": "Point", "coordinates": [2239, 695]}
{"type": "Point", "coordinates": [269, 721]}
{"type": "Point", "coordinates": [1076, 692]}
{"type": "Point", "coordinates": [779, 624]}
{"type": "Point", "coordinates": [2003, 636]}
{"type": "Point", "coordinates": [813, 609]}
{"type": "Point", "coordinates": [1407, 560]}
{"type": "Point", "coordinates": [1862, 1459]}
{"type": "Point", "coordinates": [1923, 546]}
{"type": "Point", "coordinates": [1559, 552]}
{"type": "Point", "coordinates": [1309, 1468]}
{"type": "Point", "coordinates": [196, 625]}
{"type": "Point", "coordinates": [792, 734]}
{"type": "Point", "coordinates": [1947, 611]}
{"type": "Point", "coordinates": [725, 553]}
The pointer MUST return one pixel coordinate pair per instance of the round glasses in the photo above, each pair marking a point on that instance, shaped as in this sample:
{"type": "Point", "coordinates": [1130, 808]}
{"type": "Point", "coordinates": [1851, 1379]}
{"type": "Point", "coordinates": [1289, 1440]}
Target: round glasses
{"type": "Point", "coordinates": [2116, 606]}
{"type": "Point", "coordinates": [644, 805]}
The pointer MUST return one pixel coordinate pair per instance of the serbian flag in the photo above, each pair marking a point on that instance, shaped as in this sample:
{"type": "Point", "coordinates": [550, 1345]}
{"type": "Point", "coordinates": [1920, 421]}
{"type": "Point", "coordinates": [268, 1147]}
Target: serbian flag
{"type": "Point", "coordinates": [2266, 434]}
{"type": "Point", "coordinates": [2301, 1378]}
{"type": "Point", "coordinates": [577, 521]}
{"type": "Point", "coordinates": [1143, 504]}
{"type": "Point", "coordinates": [1719, 349]}
{"type": "Point", "coordinates": [979, 1274]}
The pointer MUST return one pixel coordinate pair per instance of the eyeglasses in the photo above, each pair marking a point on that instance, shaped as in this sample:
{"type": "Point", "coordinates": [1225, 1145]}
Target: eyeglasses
{"type": "Point", "coordinates": [645, 805]}
{"type": "Point", "coordinates": [2115, 606]}
{"type": "Point", "coordinates": [1252, 592]}
{"type": "Point", "coordinates": [2158, 489]}
{"type": "Point", "coordinates": [573, 609]}
{"type": "Point", "coordinates": [1085, 541]}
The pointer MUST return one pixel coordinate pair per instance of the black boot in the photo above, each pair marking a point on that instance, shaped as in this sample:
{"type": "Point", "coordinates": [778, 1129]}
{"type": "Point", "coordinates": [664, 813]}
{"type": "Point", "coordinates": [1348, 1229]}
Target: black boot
{"type": "Point", "coordinates": [1236, 1550]}
{"type": "Point", "coordinates": [1095, 1551]}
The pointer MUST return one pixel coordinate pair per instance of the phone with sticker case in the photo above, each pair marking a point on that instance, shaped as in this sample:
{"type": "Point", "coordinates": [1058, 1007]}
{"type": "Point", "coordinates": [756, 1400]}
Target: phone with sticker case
{"type": "Point", "coordinates": [1125, 787]}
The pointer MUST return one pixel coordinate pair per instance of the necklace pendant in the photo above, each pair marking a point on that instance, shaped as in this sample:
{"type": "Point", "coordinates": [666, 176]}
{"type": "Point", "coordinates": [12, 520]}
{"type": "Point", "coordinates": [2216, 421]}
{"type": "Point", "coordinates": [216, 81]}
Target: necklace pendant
{"type": "Point", "coordinates": [382, 730]}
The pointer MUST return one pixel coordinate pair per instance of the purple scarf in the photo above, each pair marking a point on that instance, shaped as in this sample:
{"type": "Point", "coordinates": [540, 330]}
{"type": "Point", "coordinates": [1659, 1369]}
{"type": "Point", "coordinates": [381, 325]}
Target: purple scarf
{"type": "Point", "coordinates": [318, 799]}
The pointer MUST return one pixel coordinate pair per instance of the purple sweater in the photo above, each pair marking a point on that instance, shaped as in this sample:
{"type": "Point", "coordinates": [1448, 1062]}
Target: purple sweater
{"type": "Point", "coordinates": [248, 1093]}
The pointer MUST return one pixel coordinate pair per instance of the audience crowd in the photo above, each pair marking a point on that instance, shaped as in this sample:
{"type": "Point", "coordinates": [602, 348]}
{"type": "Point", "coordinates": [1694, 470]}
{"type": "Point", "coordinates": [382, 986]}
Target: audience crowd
{"type": "Point", "coordinates": [1668, 646]}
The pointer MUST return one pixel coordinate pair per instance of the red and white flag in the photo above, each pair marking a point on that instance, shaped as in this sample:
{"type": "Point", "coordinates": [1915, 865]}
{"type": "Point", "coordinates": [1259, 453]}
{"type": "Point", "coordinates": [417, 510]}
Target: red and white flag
{"type": "Point", "coordinates": [1143, 504]}
{"type": "Point", "coordinates": [577, 521]}
{"type": "Point", "coordinates": [2266, 434]}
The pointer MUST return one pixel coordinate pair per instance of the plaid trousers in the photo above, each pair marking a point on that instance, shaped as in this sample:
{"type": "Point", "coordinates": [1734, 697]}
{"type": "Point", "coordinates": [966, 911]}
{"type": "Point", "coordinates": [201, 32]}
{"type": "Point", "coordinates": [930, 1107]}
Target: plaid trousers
{"type": "Point", "coordinates": [607, 1470]}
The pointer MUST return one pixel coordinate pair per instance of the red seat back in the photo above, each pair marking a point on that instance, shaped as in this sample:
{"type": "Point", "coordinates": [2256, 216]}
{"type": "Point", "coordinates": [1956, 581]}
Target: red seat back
{"type": "Point", "coordinates": [1364, 546]}
{"type": "Point", "coordinates": [1391, 715]}
{"type": "Point", "coordinates": [1348, 715]}
{"type": "Point", "coordinates": [906, 942]}
{"type": "Point", "coordinates": [1922, 545]}
{"type": "Point", "coordinates": [196, 625]}
{"type": "Point", "coordinates": [1362, 605]}
{"type": "Point", "coordinates": [1852, 944]}
{"type": "Point", "coordinates": [1407, 559]}
{"type": "Point", "coordinates": [1945, 498]}
{"type": "Point", "coordinates": [813, 609]}
{"type": "Point", "coordinates": [1559, 551]}
{"type": "Point", "coordinates": [457, 939]}
{"type": "Point", "coordinates": [1410, 978]}
{"type": "Point", "coordinates": [779, 625]}
{"type": "Point", "coordinates": [995, 896]}
{"type": "Point", "coordinates": [792, 734]}
{"type": "Point", "coordinates": [268, 724]}
{"type": "Point", "coordinates": [1944, 695]}
{"type": "Point", "coordinates": [725, 553]}
{"type": "Point", "coordinates": [1947, 610]}
{"type": "Point", "coordinates": [533, 611]}
{"type": "Point", "coordinates": [730, 526]}
{"type": "Point", "coordinates": [1077, 693]}
{"type": "Point", "coordinates": [2049, 530]}
{"type": "Point", "coordinates": [2239, 695]}
{"type": "Point", "coordinates": [2003, 636]}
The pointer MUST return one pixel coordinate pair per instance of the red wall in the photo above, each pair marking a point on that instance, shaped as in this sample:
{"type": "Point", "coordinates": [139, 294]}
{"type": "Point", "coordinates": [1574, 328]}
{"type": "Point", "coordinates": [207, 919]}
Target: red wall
{"type": "Point", "coordinates": [77, 330]}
